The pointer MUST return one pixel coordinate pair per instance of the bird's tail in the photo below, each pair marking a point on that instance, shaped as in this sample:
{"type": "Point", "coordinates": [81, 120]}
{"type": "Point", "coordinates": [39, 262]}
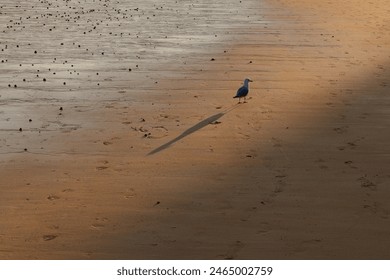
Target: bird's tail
{"type": "Point", "coordinates": [236, 96]}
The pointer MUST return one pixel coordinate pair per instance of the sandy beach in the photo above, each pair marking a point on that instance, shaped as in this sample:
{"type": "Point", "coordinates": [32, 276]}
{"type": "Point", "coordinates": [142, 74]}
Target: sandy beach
{"type": "Point", "coordinates": [120, 139]}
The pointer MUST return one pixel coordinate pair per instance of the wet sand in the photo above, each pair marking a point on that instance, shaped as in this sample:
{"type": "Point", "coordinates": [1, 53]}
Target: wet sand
{"type": "Point", "coordinates": [125, 142]}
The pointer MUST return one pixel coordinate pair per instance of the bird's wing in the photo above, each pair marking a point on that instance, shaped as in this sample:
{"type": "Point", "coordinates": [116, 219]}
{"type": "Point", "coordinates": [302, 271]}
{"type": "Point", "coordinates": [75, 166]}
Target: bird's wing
{"type": "Point", "coordinates": [242, 91]}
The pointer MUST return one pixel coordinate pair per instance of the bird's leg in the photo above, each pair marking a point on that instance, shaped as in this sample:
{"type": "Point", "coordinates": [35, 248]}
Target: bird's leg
{"type": "Point", "coordinates": [244, 99]}
{"type": "Point", "coordinates": [239, 100]}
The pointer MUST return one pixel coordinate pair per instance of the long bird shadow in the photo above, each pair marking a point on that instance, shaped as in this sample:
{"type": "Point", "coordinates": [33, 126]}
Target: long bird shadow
{"type": "Point", "coordinates": [192, 129]}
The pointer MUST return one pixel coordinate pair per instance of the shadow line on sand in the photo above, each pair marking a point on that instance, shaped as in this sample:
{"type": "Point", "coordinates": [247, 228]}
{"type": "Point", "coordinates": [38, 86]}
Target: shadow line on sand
{"type": "Point", "coordinates": [193, 129]}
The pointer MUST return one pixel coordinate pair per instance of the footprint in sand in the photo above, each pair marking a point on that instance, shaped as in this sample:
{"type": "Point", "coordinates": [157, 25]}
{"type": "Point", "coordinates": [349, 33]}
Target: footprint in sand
{"type": "Point", "coordinates": [49, 237]}
{"type": "Point", "coordinates": [330, 104]}
{"type": "Point", "coordinates": [101, 167]}
{"type": "Point", "coordinates": [341, 130]}
{"type": "Point", "coordinates": [367, 183]}
{"type": "Point", "coordinates": [364, 116]}
{"type": "Point", "coordinates": [350, 164]}
{"type": "Point", "coordinates": [321, 163]}
{"type": "Point", "coordinates": [158, 132]}
{"type": "Point", "coordinates": [351, 145]}
{"type": "Point", "coordinates": [244, 136]}
{"type": "Point", "coordinates": [372, 208]}
{"type": "Point", "coordinates": [265, 228]}
{"type": "Point", "coordinates": [53, 197]}
{"type": "Point", "coordinates": [97, 226]}
{"type": "Point", "coordinates": [233, 250]}
{"type": "Point", "coordinates": [279, 187]}
{"type": "Point", "coordinates": [280, 182]}
{"type": "Point", "coordinates": [130, 193]}
{"type": "Point", "coordinates": [99, 223]}
{"type": "Point", "coordinates": [276, 142]}
{"type": "Point", "coordinates": [377, 209]}
{"type": "Point", "coordinates": [342, 116]}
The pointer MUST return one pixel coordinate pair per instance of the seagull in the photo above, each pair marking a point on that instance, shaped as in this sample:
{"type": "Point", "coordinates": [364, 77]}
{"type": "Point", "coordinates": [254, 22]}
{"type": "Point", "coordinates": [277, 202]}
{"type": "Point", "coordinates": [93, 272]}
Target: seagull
{"type": "Point", "coordinates": [243, 91]}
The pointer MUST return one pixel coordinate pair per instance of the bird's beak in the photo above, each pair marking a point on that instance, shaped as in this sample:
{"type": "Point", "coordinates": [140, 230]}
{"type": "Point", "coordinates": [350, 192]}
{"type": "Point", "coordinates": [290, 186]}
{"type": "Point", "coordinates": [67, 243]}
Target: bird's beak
{"type": "Point", "coordinates": [250, 80]}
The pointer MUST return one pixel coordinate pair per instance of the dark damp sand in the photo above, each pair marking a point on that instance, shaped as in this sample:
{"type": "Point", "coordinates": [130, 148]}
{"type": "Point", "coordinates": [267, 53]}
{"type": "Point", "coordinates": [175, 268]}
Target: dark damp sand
{"type": "Point", "coordinates": [130, 167]}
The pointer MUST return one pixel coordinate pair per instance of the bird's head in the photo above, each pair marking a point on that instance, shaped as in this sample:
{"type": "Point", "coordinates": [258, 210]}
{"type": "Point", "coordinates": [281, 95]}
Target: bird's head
{"type": "Point", "coordinates": [248, 80]}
